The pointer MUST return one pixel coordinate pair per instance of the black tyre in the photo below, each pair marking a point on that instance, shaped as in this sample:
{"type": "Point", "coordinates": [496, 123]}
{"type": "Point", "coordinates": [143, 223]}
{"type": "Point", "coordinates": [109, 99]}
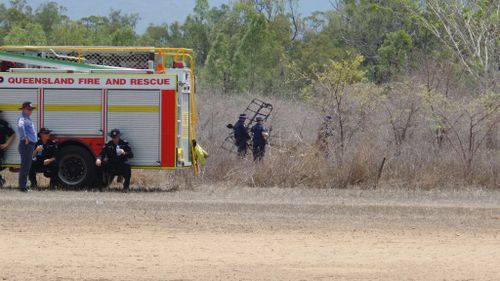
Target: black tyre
{"type": "Point", "coordinates": [76, 167]}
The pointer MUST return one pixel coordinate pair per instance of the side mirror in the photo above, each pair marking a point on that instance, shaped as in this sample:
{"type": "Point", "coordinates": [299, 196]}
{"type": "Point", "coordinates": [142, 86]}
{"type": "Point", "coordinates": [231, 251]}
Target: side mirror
{"type": "Point", "coordinates": [230, 126]}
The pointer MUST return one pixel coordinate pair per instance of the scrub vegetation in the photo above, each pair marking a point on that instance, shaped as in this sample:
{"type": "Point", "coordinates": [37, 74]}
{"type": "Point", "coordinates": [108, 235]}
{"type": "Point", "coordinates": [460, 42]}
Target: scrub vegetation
{"type": "Point", "coordinates": [412, 86]}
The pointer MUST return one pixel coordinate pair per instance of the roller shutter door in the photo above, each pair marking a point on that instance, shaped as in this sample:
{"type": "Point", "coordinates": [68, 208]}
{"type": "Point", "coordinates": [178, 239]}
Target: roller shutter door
{"type": "Point", "coordinates": [184, 132]}
{"type": "Point", "coordinates": [73, 112]}
{"type": "Point", "coordinates": [137, 114]}
{"type": "Point", "coordinates": [10, 101]}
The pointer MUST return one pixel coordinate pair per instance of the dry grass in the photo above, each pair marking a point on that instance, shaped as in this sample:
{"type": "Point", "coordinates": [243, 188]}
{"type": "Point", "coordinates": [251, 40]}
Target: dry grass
{"type": "Point", "coordinates": [292, 159]}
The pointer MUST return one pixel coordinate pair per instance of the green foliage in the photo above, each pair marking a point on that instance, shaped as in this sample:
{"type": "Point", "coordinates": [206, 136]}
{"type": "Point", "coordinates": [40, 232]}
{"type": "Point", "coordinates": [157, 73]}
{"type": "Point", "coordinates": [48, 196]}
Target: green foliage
{"type": "Point", "coordinates": [49, 15]}
{"type": "Point", "coordinates": [31, 34]}
{"type": "Point", "coordinates": [71, 33]}
{"type": "Point", "coordinates": [393, 55]}
{"type": "Point", "coordinates": [155, 35]}
{"type": "Point", "coordinates": [260, 46]}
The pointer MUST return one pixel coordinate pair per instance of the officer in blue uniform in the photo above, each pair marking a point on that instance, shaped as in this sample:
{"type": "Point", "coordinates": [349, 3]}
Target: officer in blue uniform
{"type": "Point", "coordinates": [113, 159]}
{"type": "Point", "coordinates": [44, 159]}
{"type": "Point", "coordinates": [259, 139]}
{"type": "Point", "coordinates": [27, 140]}
{"type": "Point", "coordinates": [241, 135]}
{"type": "Point", "coordinates": [7, 136]}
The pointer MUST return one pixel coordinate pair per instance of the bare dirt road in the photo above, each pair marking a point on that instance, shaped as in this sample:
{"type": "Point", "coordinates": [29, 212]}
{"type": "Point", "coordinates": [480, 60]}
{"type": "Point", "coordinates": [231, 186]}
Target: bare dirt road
{"type": "Point", "coordinates": [250, 234]}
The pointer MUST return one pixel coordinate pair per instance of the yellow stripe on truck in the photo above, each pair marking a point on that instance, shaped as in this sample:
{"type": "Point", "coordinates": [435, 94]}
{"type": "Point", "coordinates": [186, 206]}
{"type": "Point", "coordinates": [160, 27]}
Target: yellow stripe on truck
{"type": "Point", "coordinates": [12, 107]}
{"type": "Point", "coordinates": [134, 108]}
{"type": "Point", "coordinates": [88, 108]}
{"type": "Point", "coordinates": [73, 107]}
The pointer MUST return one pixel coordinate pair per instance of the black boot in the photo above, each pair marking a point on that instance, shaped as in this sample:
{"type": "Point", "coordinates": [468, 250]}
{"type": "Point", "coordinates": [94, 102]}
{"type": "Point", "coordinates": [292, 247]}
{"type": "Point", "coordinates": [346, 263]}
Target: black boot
{"type": "Point", "coordinates": [52, 184]}
{"type": "Point", "coordinates": [126, 185]}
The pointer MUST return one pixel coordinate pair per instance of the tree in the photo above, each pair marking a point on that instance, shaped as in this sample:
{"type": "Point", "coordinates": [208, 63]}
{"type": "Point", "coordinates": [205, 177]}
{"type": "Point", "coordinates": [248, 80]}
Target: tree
{"type": "Point", "coordinates": [393, 55]}
{"type": "Point", "coordinates": [156, 35]}
{"type": "Point", "coordinates": [70, 33]}
{"type": "Point", "coordinates": [217, 70]}
{"type": "Point", "coordinates": [337, 91]}
{"type": "Point", "coordinates": [254, 61]}
{"type": "Point", "coordinates": [196, 31]}
{"type": "Point", "coordinates": [50, 14]}
{"type": "Point", "coordinates": [124, 36]}
{"type": "Point", "coordinates": [467, 122]}
{"type": "Point", "coordinates": [31, 34]}
{"type": "Point", "coordinates": [470, 29]}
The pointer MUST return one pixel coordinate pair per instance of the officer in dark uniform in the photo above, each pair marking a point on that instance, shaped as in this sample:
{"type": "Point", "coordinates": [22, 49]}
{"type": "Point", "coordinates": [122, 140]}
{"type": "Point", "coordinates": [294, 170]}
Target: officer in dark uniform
{"type": "Point", "coordinates": [44, 159]}
{"type": "Point", "coordinates": [113, 159]}
{"type": "Point", "coordinates": [259, 139]}
{"type": "Point", "coordinates": [325, 133]}
{"type": "Point", "coordinates": [7, 136]}
{"type": "Point", "coordinates": [241, 135]}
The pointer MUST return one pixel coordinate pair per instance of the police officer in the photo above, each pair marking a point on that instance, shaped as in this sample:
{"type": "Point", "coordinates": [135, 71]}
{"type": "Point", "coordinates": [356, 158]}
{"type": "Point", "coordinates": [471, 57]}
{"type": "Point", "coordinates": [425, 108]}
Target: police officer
{"type": "Point", "coordinates": [259, 139]}
{"type": "Point", "coordinates": [7, 136]}
{"type": "Point", "coordinates": [325, 133]}
{"type": "Point", "coordinates": [27, 140]}
{"type": "Point", "coordinates": [113, 159]}
{"type": "Point", "coordinates": [241, 135]}
{"type": "Point", "coordinates": [44, 159]}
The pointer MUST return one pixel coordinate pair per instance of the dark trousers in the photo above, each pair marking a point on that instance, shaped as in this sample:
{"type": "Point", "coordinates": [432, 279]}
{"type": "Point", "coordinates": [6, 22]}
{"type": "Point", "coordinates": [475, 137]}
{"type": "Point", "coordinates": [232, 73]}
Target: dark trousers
{"type": "Point", "coordinates": [26, 152]}
{"type": "Point", "coordinates": [49, 171]}
{"type": "Point", "coordinates": [110, 170]}
{"type": "Point", "coordinates": [242, 148]}
{"type": "Point", "coordinates": [259, 150]}
{"type": "Point", "coordinates": [1, 168]}
{"type": "Point", "coordinates": [2, 181]}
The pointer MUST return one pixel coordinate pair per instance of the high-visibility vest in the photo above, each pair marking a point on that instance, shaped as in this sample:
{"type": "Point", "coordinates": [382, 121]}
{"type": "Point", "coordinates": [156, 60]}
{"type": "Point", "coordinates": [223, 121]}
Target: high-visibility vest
{"type": "Point", "coordinates": [200, 154]}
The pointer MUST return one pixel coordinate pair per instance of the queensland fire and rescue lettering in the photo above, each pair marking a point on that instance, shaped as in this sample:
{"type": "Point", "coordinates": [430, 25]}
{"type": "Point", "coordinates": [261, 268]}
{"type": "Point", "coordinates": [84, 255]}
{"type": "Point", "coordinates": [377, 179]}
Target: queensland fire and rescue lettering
{"type": "Point", "coordinates": [86, 81]}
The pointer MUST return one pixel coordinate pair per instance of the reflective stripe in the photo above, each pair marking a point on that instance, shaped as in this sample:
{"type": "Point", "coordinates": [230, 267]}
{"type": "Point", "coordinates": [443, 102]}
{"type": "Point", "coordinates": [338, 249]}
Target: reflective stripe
{"type": "Point", "coordinates": [14, 107]}
{"type": "Point", "coordinates": [73, 107]}
{"type": "Point", "coordinates": [133, 108]}
{"type": "Point", "coordinates": [185, 123]}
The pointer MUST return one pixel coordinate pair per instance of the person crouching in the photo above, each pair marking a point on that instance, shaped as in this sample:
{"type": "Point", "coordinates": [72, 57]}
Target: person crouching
{"type": "Point", "coordinates": [113, 159]}
{"type": "Point", "coordinates": [44, 159]}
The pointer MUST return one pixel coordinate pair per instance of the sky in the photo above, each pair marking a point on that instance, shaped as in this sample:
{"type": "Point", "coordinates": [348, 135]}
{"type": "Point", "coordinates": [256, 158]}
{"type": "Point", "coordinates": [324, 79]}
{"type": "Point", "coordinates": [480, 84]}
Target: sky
{"type": "Point", "coordinates": [153, 11]}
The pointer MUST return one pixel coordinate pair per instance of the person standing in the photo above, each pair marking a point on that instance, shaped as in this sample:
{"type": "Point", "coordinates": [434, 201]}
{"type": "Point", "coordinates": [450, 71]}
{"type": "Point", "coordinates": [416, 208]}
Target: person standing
{"type": "Point", "coordinates": [44, 159]}
{"type": "Point", "coordinates": [27, 140]}
{"type": "Point", "coordinates": [7, 136]}
{"type": "Point", "coordinates": [259, 139]}
{"type": "Point", "coordinates": [113, 159]}
{"type": "Point", "coordinates": [325, 133]}
{"type": "Point", "coordinates": [241, 135]}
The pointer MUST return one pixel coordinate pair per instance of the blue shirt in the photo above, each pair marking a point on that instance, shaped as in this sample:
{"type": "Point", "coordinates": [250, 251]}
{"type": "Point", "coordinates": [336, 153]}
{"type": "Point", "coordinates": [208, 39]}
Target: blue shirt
{"type": "Point", "coordinates": [257, 131]}
{"type": "Point", "coordinates": [26, 128]}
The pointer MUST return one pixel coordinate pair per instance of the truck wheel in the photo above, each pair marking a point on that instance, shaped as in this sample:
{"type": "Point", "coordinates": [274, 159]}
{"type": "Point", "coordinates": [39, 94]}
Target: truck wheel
{"type": "Point", "coordinates": [76, 167]}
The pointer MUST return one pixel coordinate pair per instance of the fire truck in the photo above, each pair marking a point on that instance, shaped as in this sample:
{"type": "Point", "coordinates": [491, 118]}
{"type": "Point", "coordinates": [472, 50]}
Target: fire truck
{"type": "Point", "coordinates": [81, 93]}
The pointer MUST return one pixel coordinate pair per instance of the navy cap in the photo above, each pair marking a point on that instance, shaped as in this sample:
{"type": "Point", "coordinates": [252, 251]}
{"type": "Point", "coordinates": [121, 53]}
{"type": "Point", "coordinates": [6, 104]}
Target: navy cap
{"type": "Point", "coordinates": [115, 133]}
{"type": "Point", "coordinates": [28, 105]}
{"type": "Point", "coordinates": [44, 131]}
{"type": "Point", "coordinates": [243, 115]}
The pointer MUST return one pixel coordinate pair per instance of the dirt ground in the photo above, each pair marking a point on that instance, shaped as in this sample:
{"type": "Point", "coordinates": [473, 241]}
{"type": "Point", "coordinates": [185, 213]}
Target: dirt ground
{"type": "Point", "coordinates": [232, 233]}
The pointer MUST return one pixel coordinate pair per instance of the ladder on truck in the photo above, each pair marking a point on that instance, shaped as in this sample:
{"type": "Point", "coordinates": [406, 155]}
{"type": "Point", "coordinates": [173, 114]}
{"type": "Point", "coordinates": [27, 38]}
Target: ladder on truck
{"type": "Point", "coordinates": [86, 59]}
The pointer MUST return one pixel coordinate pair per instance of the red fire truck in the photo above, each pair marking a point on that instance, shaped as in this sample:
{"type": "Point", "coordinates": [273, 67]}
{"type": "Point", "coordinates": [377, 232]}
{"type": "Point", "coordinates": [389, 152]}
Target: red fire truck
{"type": "Point", "coordinates": [82, 93]}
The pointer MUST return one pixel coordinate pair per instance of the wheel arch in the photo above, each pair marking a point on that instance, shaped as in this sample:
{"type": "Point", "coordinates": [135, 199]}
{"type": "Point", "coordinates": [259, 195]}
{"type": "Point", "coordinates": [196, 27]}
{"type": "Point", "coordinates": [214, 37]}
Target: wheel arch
{"type": "Point", "coordinates": [76, 142]}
